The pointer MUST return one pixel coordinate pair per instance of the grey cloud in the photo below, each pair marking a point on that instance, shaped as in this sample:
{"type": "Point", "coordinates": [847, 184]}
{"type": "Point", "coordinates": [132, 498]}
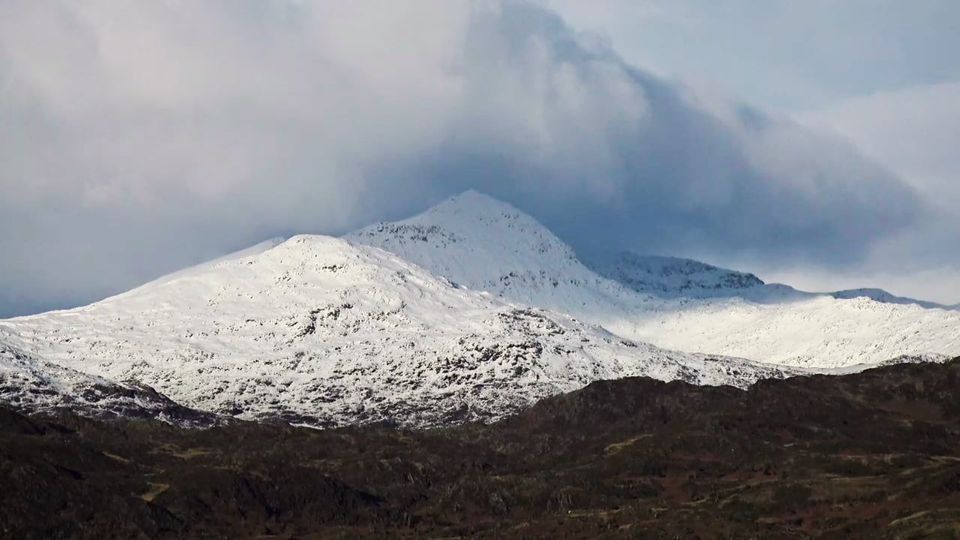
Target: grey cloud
{"type": "Point", "coordinates": [139, 140]}
{"type": "Point", "coordinates": [914, 132]}
{"type": "Point", "coordinates": [786, 53]}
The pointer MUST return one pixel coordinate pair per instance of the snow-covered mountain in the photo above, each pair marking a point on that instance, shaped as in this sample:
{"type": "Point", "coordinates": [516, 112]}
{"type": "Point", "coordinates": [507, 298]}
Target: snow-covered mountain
{"type": "Point", "coordinates": [470, 310]}
{"type": "Point", "coordinates": [320, 331]}
{"type": "Point", "coordinates": [678, 304]}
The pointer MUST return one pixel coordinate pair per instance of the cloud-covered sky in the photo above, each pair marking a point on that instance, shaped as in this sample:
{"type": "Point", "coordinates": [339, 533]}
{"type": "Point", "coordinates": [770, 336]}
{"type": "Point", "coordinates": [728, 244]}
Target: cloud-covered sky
{"type": "Point", "coordinates": [138, 138]}
{"type": "Point", "coordinates": [791, 54]}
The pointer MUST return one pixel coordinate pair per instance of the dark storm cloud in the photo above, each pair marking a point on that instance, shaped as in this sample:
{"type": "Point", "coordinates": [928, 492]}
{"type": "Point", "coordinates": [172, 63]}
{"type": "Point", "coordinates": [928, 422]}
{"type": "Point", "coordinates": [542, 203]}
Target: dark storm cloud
{"type": "Point", "coordinates": [138, 139]}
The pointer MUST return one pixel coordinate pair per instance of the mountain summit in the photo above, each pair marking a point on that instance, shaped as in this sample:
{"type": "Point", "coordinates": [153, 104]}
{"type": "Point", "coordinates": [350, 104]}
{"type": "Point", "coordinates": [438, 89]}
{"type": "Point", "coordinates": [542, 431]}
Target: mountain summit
{"type": "Point", "coordinates": [485, 244]}
{"type": "Point", "coordinates": [679, 304]}
{"type": "Point", "coordinates": [479, 242]}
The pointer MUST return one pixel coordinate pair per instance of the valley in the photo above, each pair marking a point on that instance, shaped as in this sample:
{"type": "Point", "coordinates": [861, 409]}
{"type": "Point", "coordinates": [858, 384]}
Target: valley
{"type": "Point", "coordinates": [866, 455]}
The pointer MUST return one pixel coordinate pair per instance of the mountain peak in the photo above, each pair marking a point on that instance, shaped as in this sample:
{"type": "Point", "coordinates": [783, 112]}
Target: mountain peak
{"type": "Point", "coordinates": [471, 209]}
{"type": "Point", "coordinates": [481, 242]}
{"type": "Point", "coordinates": [473, 200]}
{"type": "Point", "coordinates": [473, 230]}
{"type": "Point", "coordinates": [485, 244]}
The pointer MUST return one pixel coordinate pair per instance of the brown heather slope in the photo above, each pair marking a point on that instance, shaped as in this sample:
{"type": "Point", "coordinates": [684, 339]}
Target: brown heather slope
{"type": "Point", "coordinates": [871, 455]}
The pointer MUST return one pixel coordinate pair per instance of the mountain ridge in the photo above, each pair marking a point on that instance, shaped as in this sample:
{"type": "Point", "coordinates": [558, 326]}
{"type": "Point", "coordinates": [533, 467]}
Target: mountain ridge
{"type": "Point", "coordinates": [319, 331]}
{"type": "Point", "coordinates": [468, 311]}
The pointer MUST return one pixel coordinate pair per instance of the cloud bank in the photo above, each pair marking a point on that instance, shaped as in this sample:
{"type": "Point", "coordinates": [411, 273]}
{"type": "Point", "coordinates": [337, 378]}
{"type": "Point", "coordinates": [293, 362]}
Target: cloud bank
{"type": "Point", "coordinates": [137, 139]}
{"type": "Point", "coordinates": [914, 132]}
{"type": "Point", "coordinates": [798, 55]}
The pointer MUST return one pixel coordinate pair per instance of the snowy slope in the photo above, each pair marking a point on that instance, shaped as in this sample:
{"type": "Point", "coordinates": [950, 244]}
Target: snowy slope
{"type": "Point", "coordinates": [818, 332]}
{"type": "Point", "coordinates": [31, 384]}
{"type": "Point", "coordinates": [673, 277]}
{"type": "Point", "coordinates": [320, 331]}
{"type": "Point", "coordinates": [485, 244]}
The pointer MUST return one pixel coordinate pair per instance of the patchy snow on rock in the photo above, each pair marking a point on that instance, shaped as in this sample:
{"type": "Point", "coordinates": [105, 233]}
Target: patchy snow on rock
{"type": "Point", "coordinates": [34, 385]}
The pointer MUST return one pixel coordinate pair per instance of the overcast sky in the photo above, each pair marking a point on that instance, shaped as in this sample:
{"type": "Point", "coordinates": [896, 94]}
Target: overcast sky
{"type": "Point", "coordinates": [806, 141]}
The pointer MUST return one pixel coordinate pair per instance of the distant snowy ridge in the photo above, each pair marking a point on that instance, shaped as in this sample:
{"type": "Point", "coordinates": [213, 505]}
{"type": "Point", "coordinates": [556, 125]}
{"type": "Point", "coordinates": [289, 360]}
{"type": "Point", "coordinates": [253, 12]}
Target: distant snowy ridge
{"type": "Point", "coordinates": [678, 277]}
{"type": "Point", "coordinates": [672, 276]}
{"type": "Point", "coordinates": [883, 296]}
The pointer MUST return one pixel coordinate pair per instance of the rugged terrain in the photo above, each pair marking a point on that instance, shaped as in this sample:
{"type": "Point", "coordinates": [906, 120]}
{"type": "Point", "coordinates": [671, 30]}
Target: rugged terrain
{"type": "Point", "coordinates": [867, 455]}
{"type": "Point", "coordinates": [319, 331]}
{"type": "Point", "coordinates": [469, 311]}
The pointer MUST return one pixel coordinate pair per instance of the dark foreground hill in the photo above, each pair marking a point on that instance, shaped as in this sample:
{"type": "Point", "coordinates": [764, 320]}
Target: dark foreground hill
{"type": "Point", "coordinates": [871, 455]}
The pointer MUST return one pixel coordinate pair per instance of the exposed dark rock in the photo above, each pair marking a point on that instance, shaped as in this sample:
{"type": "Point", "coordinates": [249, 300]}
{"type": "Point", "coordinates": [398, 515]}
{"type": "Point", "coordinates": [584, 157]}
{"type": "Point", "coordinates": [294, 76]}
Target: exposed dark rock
{"type": "Point", "coordinates": [871, 455]}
